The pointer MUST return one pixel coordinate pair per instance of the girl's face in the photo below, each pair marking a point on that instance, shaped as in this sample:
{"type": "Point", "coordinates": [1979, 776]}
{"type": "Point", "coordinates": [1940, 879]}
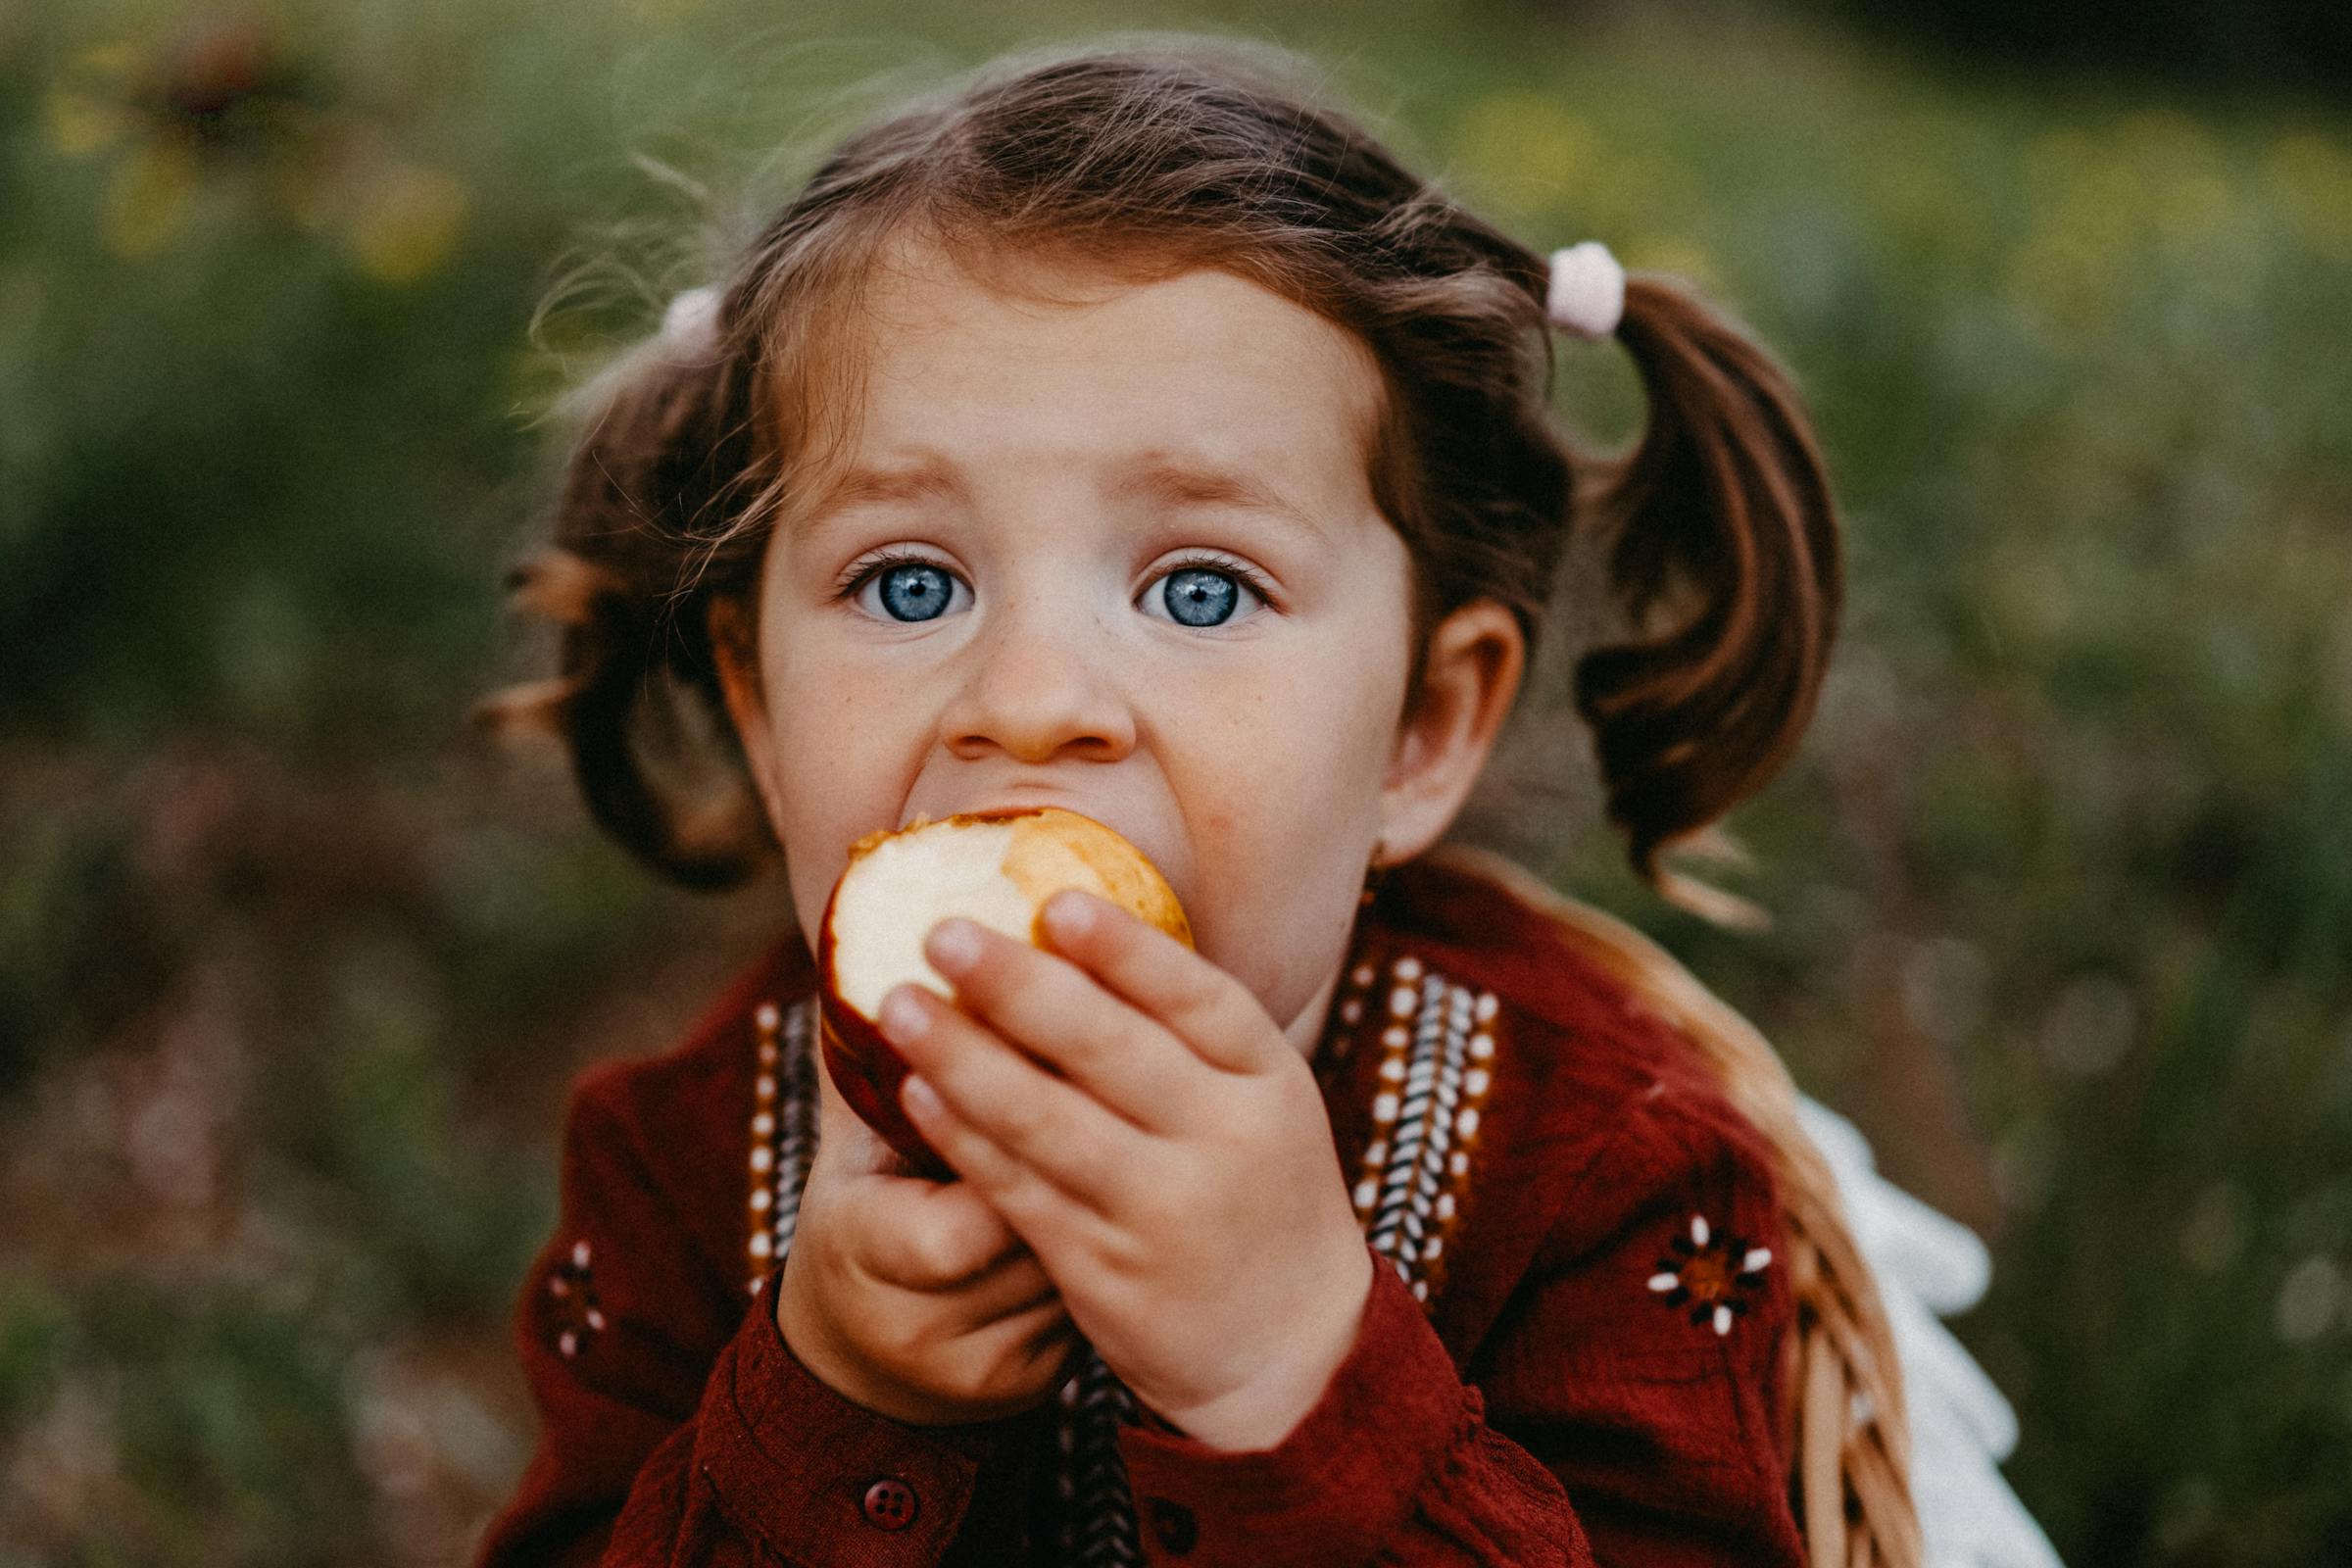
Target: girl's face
{"type": "Point", "coordinates": [1118, 552]}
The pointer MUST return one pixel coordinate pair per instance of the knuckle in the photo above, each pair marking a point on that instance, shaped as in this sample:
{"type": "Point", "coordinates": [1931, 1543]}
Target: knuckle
{"type": "Point", "coordinates": [1025, 1124]}
{"type": "Point", "coordinates": [934, 1255]}
{"type": "Point", "coordinates": [1201, 1006]}
{"type": "Point", "coordinates": [980, 1231]}
{"type": "Point", "coordinates": [1231, 1006]}
{"type": "Point", "coordinates": [896, 1251]}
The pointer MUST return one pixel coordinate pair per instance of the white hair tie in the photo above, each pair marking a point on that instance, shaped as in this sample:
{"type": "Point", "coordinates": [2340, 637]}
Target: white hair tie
{"type": "Point", "coordinates": [692, 316]}
{"type": "Point", "coordinates": [1586, 296]}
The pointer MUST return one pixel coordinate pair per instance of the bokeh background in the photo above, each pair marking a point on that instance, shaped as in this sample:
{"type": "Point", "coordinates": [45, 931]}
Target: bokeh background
{"type": "Point", "coordinates": [294, 967]}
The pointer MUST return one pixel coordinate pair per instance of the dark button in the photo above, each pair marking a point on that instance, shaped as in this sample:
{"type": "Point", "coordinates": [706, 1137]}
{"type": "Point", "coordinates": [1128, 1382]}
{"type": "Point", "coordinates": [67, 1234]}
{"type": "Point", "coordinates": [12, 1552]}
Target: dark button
{"type": "Point", "coordinates": [890, 1504]}
{"type": "Point", "coordinates": [1172, 1522]}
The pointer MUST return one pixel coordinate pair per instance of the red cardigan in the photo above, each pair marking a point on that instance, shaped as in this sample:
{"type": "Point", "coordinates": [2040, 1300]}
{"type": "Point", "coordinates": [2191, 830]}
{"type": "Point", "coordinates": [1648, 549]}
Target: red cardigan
{"type": "Point", "coordinates": [1571, 1354]}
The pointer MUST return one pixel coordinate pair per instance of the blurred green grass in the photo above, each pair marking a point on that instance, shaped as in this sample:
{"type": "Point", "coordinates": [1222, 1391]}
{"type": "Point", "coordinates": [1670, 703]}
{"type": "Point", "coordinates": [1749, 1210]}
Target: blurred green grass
{"type": "Point", "coordinates": [292, 973]}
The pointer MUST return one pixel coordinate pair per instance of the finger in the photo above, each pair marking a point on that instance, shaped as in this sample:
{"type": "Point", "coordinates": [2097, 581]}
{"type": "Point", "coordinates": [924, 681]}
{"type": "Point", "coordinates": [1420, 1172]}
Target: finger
{"type": "Point", "coordinates": [1006, 1105]}
{"type": "Point", "coordinates": [997, 1246]}
{"type": "Point", "coordinates": [933, 1235]}
{"type": "Point", "coordinates": [1053, 1340]}
{"type": "Point", "coordinates": [1016, 1291]}
{"type": "Point", "coordinates": [1052, 1010]}
{"type": "Point", "coordinates": [1060, 1227]}
{"type": "Point", "coordinates": [1008, 1251]}
{"type": "Point", "coordinates": [1041, 1318]}
{"type": "Point", "coordinates": [1193, 1000]}
{"type": "Point", "coordinates": [1028, 1353]}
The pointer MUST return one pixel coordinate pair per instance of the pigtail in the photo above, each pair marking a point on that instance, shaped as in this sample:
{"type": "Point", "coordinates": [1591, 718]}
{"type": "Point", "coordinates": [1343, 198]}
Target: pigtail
{"type": "Point", "coordinates": [658, 456]}
{"type": "Point", "coordinates": [1843, 1419]}
{"type": "Point", "coordinates": [1724, 502]}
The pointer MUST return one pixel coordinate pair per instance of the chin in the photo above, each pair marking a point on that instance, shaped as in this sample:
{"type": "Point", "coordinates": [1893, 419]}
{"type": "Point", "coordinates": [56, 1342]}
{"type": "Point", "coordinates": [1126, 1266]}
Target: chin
{"type": "Point", "coordinates": [994, 867]}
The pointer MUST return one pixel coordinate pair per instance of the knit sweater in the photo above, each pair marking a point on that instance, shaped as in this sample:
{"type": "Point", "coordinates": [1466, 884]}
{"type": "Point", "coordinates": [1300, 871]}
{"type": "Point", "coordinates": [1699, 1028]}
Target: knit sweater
{"type": "Point", "coordinates": [1570, 1352]}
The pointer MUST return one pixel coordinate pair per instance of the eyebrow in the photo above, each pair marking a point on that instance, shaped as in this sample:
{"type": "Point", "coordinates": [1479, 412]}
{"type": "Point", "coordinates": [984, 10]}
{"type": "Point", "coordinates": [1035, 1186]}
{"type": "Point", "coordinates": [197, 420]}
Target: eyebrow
{"type": "Point", "coordinates": [921, 481]}
{"type": "Point", "coordinates": [1156, 476]}
{"type": "Point", "coordinates": [1162, 476]}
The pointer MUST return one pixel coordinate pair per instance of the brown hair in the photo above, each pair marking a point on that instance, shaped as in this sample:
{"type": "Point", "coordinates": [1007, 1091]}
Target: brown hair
{"type": "Point", "coordinates": [1147, 159]}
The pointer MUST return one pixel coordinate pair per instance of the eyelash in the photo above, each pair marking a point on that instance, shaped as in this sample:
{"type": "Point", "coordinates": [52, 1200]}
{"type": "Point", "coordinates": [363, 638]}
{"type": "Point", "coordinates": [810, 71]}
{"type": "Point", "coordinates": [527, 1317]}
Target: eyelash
{"type": "Point", "coordinates": [855, 579]}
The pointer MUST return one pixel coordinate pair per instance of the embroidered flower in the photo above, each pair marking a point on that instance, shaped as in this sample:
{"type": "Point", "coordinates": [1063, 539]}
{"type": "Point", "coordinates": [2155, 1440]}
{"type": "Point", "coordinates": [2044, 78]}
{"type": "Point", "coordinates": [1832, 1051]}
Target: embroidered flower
{"type": "Point", "coordinates": [575, 1300]}
{"type": "Point", "coordinates": [1710, 1276]}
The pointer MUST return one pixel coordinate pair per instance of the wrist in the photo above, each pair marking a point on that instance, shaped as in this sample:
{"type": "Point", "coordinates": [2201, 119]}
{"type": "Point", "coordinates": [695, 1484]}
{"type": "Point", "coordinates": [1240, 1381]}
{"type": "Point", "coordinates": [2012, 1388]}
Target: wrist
{"type": "Point", "coordinates": [807, 1336]}
{"type": "Point", "coordinates": [1262, 1415]}
{"type": "Point", "coordinates": [810, 1338]}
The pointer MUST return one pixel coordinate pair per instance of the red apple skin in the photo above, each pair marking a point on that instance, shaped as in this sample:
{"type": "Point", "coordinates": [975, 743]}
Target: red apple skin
{"type": "Point", "coordinates": [867, 1069]}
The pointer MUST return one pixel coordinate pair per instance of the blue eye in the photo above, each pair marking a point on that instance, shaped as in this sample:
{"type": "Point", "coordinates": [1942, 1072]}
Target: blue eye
{"type": "Point", "coordinates": [1200, 596]}
{"type": "Point", "coordinates": [912, 590]}
{"type": "Point", "coordinates": [1205, 592]}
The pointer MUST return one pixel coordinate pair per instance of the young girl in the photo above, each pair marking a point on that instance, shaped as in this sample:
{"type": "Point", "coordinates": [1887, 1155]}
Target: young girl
{"type": "Point", "coordinates": [1129, 431]}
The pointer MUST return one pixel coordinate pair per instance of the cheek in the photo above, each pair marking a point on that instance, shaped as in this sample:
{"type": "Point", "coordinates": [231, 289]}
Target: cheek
{"type": "Point", "coordinates": [832, 706]}
{"type": "Point", "coordinates": [1310, 737]}
{"type": "Point", "coordinates": [841, 737]}
{"type": "Point", "coordinates": [1281, 786]}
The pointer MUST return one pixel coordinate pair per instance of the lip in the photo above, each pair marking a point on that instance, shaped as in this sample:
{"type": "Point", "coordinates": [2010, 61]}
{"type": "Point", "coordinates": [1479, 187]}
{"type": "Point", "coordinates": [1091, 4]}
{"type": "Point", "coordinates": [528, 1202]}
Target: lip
{"type": "Point", "coordinates": [1022, 801]}
{"type": "Point", "coordinates": [1020, 798]}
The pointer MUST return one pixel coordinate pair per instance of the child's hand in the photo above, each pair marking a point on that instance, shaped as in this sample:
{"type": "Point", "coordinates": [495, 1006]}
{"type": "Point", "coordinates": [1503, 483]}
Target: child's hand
{"type": "Point", "coordinates": [1164, 1150]}
{"type": "Point", "coordinates": [911, 1297]}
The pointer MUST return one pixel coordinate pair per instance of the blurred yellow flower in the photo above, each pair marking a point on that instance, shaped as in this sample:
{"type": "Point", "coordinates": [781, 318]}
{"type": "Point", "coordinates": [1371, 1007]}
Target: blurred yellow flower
{"type": "Point", "coordinates": [406, 227]}
{"type": "Point", "coordinates": [149, 196]}
{"type": "Point", "coordinates": [82, 122]}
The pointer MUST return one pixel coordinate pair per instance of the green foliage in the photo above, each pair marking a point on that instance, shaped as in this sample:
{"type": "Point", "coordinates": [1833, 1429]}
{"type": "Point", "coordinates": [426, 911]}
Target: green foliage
{"type": "Point", "coordinates": [291, 982]}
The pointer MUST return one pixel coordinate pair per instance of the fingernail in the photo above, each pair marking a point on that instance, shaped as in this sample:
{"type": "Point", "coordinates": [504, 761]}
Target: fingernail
{"type": "Point", "coordinates": [921, 1098]}
{"type": "Point", "coordinates": [901, 1017]}
{"type": "Point", "coordinates": [1070, 913]}
{"type": "Point", "coordinates": [956, 946]}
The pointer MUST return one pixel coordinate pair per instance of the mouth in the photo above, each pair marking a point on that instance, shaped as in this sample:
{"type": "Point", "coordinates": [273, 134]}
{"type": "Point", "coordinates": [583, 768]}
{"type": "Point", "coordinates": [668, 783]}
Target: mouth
{"type": "Point", "coordinates": [1013, 799]}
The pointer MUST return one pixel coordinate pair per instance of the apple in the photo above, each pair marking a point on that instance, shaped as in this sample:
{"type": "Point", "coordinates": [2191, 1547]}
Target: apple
{"type": "Point", "coordinates": [994, 867]}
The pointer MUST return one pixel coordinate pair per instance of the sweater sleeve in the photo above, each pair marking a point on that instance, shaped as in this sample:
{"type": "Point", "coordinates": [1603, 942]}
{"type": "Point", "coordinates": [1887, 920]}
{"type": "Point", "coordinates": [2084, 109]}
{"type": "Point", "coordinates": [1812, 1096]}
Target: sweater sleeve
{"type": "Point", "coordinates": [1620, 1410]}
{"type": "Point", "coordinates": [677, 1426]}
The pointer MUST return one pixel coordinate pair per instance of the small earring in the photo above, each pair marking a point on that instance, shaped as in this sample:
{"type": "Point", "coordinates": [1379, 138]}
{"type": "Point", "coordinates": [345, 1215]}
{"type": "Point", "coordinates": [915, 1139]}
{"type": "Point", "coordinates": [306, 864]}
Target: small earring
{"type": "Point", "coordinates": [1375, 873]}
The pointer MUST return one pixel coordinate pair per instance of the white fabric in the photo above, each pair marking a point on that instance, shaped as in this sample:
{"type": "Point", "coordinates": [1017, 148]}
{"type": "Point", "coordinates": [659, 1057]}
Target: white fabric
{"type": "Point", "coordinates": [1928, 1265]}
{"type": "Point", "coordinates": [1587, 294]}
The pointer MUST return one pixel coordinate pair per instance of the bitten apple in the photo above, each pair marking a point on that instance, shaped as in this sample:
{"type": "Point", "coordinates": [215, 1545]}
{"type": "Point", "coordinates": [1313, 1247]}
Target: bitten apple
{"type": "Point", "coordinates": [994, 867]}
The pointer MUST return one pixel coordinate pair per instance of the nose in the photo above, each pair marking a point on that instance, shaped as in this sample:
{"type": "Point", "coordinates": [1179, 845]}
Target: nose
{"type": "Point", "coordinates": [1040, 686]}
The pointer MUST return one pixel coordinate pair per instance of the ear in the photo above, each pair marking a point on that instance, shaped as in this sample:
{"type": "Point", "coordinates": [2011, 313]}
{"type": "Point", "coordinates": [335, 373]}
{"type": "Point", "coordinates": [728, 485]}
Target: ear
{"type": "Point", "coordinates": [734, 648]}
{"type": "Point", "coordinates": [1476, 658]}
